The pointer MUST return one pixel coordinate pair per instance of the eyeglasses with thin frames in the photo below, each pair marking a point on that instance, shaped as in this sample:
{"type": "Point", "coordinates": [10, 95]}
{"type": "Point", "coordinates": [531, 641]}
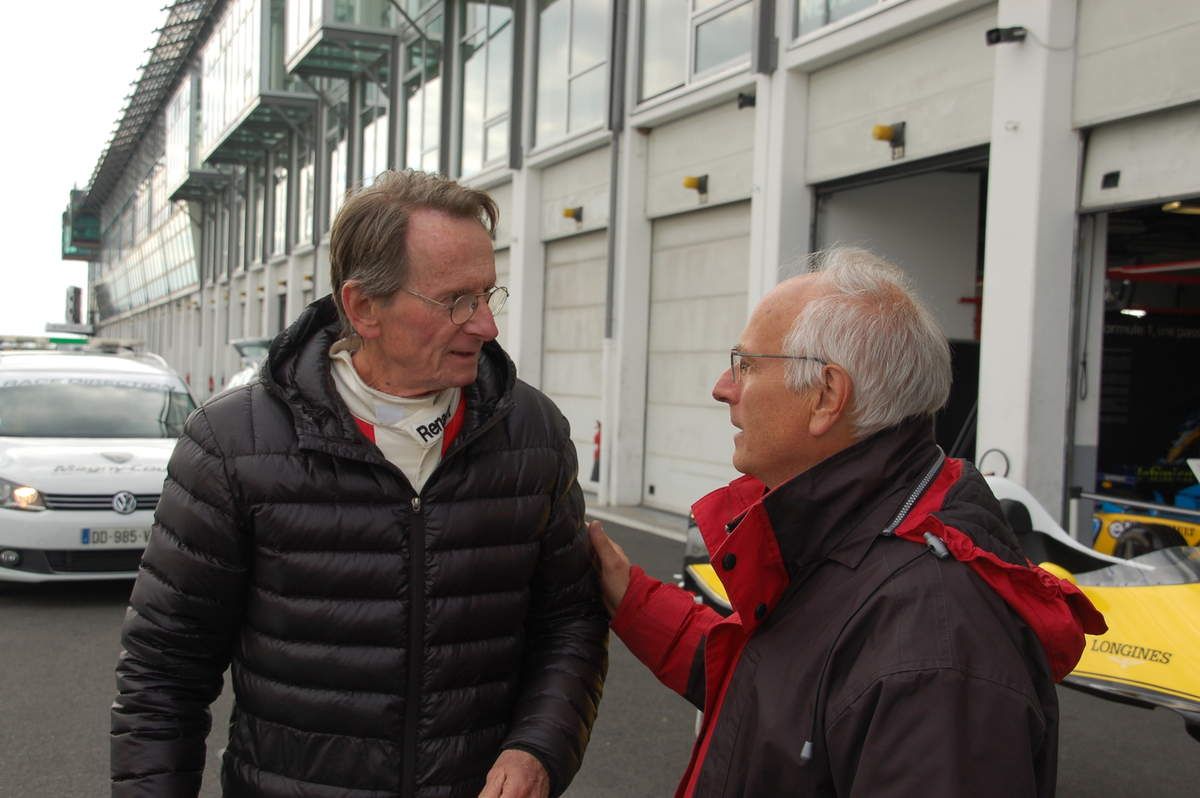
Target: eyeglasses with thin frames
{"type": "Point", "coordinates": [463, 306]}
{"type": "Point", "coordinates": [737, 366]}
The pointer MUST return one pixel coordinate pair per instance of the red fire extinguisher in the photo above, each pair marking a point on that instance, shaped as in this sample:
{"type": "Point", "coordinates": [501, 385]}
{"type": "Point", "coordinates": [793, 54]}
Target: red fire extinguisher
{"type": "Point", "coordinates": [596, 454]}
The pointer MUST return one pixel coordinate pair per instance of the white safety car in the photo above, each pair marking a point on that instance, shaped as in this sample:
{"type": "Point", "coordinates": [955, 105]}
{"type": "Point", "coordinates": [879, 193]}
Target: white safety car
{"type": "Point", "coordinates": [84, 443]}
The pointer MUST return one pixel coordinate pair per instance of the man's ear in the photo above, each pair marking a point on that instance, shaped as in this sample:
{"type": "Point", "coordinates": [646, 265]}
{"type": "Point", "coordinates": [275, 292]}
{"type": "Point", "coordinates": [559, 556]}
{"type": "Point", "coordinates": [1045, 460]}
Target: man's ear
{"type": "Point", "coordinates": [361, 310]}
{"type": "Point", "coordinates": [832, 405]}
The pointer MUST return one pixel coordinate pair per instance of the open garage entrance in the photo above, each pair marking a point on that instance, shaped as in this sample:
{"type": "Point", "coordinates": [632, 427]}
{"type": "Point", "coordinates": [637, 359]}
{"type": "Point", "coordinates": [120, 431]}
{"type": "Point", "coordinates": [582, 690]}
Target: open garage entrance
{"type": "Point", "coordinates": [928, 218]}
{"type": "Point", "coordinates": [1150, 370]}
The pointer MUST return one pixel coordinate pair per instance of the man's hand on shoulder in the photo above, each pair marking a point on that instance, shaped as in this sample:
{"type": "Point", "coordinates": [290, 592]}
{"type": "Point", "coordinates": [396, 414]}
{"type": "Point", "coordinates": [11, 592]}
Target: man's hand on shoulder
{"type": "Point", "coordinates": [516, 774]}
{"type": "Point", "coordinates": [613, 565]}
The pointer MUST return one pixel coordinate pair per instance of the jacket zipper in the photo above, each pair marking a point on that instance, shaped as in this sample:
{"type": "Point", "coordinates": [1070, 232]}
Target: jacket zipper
{"type": "Point", "coordinates": [416, 645]}
{"type": "Point", "coordinates": [416, 598]}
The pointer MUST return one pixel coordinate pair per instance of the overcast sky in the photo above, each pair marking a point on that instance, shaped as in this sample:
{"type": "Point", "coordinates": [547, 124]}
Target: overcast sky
{"type": "Point", "coordinates": [65, 68]}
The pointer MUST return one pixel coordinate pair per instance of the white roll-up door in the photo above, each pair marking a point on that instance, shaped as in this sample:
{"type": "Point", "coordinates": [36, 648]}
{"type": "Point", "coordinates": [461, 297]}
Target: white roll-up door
{"type": "Point", "coordinates": [502, 273]}
{"type": "Point", "coordinates": [573, 328]}
{"type": "Point", "coordinates": [698, 279]}
{"type": "Point", "coordinates": [1143, 160]}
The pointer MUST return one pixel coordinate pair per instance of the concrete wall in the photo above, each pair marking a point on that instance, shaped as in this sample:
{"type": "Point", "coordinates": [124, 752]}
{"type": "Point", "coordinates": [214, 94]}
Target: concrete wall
{"type": "Point", "coordinates": [718, 142]}
{"type": "Point", "coordinates": [938, 82]}
{"type": "Point", "coordinates": [1133, 57]}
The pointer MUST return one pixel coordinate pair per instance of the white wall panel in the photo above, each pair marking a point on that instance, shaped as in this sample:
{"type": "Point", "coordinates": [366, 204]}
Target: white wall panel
{"type": "Point", "coordinates": [581, 182]}
{"type": "Point", "coordinates": [928, 225]}
{"type": "Point", "coordinates": [1157, 156]}
{"type": "Point", "coordinates": [573, 329]}
{"type": "Point", "coordinates": [938, 82]}
{"type": "Point", "coordinates": [698, 289]}
{"type": "Point", "coordinates": [1134, 57]}
{"type": "Point", "coordinates": [718, 142]}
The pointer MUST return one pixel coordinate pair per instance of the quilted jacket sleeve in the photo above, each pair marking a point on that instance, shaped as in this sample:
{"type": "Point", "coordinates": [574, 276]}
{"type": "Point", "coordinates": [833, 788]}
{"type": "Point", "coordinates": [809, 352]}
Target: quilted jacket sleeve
{"type": "Point", "coordinates": [182, 617]}
{"type": "Point", "coordinates": [567, 633]}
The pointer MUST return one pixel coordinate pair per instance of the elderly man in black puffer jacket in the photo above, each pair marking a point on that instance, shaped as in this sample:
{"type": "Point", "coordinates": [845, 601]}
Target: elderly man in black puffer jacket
{"type": "Point", "coordinates": [383, 537]}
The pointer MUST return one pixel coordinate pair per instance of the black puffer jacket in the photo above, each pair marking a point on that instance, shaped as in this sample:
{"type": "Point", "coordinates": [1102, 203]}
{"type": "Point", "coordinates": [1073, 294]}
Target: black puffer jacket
{"type": "Point", "coordinates": [382, 643]}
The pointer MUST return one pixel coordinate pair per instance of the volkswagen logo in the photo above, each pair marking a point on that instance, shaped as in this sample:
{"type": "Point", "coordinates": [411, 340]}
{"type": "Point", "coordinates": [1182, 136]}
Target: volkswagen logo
{"type": "Point", "coordinates": [124, 502]}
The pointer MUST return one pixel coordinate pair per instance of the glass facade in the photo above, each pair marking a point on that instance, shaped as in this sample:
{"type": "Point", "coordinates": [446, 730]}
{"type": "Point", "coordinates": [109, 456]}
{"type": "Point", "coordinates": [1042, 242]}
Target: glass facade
{"type": "Point", "coordinates": [812, 15]}
{"type": "Point", "coordinates": [572, 60]}
{"type": "Point", "coordinates": [304, 224]}
{"type": "Point", "coordinates": [423, 92]}
{"type": "Point", "coordinates": [486, 49]}
{"type": "Point", "coordinates": [180, 132]}
{"type": "Point", "coordinates": [303, 19]}
{"type": "Point", "coordinates": [279, 185]}
{"type": "Point", "coordinates": [685, 39]}
{"type": "Point", "coordinates": [134, 274]}
{"type": "Point", "coordinates": [375, 132]}
{"type": "Point", "coordinates": [231, 69]}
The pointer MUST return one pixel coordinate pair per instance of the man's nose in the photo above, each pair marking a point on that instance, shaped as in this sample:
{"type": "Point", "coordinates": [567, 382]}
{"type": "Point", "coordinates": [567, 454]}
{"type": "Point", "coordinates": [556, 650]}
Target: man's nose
{"type": "Point", "coordinates": [726, 389]}
{"type": "Point", "coordinates": [482, 323]}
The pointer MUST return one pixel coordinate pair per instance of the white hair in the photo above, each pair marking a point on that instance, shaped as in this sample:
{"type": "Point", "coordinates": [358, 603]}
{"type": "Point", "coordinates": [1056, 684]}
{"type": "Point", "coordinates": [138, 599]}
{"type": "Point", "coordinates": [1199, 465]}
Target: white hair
{"type": "Point", "coordinates": [867, 320]}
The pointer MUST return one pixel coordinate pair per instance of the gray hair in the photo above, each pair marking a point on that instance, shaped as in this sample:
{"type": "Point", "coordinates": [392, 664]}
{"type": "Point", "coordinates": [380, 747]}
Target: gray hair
{"type": "Point", "coordinates": [368, 243]}
{"type": "Point", "coordinates": [868, 321]}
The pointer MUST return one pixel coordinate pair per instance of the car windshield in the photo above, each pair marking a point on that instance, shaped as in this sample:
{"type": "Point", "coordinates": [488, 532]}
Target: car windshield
{"type": "Point", "coordinates": [1179, 565]}
{"type": "Point", "coordinates": [253, 349]}
{"type": "Point", "coordinates": [92, 406]}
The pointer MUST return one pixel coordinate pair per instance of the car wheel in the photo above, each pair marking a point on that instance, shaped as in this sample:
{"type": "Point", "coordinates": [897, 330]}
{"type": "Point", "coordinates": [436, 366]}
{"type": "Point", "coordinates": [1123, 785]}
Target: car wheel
{"type": "Point", "coordinates": [1139, 539]}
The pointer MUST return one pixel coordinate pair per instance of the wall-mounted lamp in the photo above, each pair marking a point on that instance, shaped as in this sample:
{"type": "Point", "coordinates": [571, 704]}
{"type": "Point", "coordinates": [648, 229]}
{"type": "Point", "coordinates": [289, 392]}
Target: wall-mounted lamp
{"type": "Point", "coordinates": [1005, 35]}
{"type": "Point", "coordinates": [308, 278]}
{"type": "Point", "coordinates": [243, 295]}
{"type": "Point", "coordinates": [699, 184]}
{"type": "Point", "coordinates": [892, 134]}
{"type": "Point", "coordinates": [745, 100]}
{"type": "Point", "coordinates": [283, 283]}
{"type": "Point", "coordinates": [1190, 208]}
{"type": "Point", "coordinates": [575, 213]}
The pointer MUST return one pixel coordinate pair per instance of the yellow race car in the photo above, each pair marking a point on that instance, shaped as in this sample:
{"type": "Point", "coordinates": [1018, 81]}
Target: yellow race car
{"type": "Point", "coordinates": [1149, 657]}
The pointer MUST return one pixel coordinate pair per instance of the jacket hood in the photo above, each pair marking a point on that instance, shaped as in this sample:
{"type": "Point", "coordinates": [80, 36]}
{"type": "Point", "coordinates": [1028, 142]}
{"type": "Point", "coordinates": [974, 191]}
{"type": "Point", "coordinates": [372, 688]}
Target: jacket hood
{"type": "Point", "coordinates": [297, 371]}
{"type": "Point", "coordinates": [897, 482]}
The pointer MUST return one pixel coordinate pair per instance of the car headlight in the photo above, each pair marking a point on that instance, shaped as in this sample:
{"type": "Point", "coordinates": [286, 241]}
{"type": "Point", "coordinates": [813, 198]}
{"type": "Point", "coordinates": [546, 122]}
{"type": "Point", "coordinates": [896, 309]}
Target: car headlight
{"type": "Point", "coordinates": [15, 496]}
{"type": "Point", "coordinates": [694, 549]}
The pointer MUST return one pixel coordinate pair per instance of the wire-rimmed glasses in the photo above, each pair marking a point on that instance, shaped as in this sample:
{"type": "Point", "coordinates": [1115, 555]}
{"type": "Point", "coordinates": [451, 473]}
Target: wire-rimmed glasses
{"type": "Point", "coordinates": [463, 306]}
{"type": "Point", "coordinates": [737, 366]}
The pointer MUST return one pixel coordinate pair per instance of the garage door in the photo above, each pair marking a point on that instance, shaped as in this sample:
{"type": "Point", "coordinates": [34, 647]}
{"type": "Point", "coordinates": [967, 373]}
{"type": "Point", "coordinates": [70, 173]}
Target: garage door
{"type": "Point", "coordinates": [698, 279]}
{"type": "Point", "coordinates": [573, 328]}
{"type": "Point", "coordinates": [502, 273]}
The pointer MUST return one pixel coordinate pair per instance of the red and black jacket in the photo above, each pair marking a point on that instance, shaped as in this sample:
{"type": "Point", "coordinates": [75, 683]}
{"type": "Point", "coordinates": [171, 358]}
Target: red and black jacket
{"type": "Point", "coordinates": [864, 657]}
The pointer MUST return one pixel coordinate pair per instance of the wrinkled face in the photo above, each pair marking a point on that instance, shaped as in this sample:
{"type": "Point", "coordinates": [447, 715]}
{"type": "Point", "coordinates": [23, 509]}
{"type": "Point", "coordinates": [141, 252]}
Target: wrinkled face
{"type": "Point", "coordinates": [417, 348]}
{"type": "Point", "coordinates": [773, 442]}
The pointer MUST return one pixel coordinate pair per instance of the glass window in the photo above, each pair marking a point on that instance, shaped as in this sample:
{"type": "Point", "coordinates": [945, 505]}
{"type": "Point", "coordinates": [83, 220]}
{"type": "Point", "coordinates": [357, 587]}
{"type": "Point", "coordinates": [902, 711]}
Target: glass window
{"type": "Point", "coordinates": [571, 70]}
{"type": "Point", "coordinates": [423, 95]}
{"type": "Point", "coordinates": [722, 39]}
{"type": "Point", "coordinates": [230, 68]}
{"type": "Point", "coordinates": [486, 47]}
{"type": "Point", "coordinates": [664, 46]}
{"type": "Point", "coordinates": [685, 38]}
{"type": "Point", "coordinates": [304, 224]}
{"type": "Point", "coordinates": [279, 239]}
{"type": "Point", "coordinates": [814, 14]}
{"type": "Point", "coordinates": [375, 133]}
{"type": "Point", "coordinates": [40, 405]}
